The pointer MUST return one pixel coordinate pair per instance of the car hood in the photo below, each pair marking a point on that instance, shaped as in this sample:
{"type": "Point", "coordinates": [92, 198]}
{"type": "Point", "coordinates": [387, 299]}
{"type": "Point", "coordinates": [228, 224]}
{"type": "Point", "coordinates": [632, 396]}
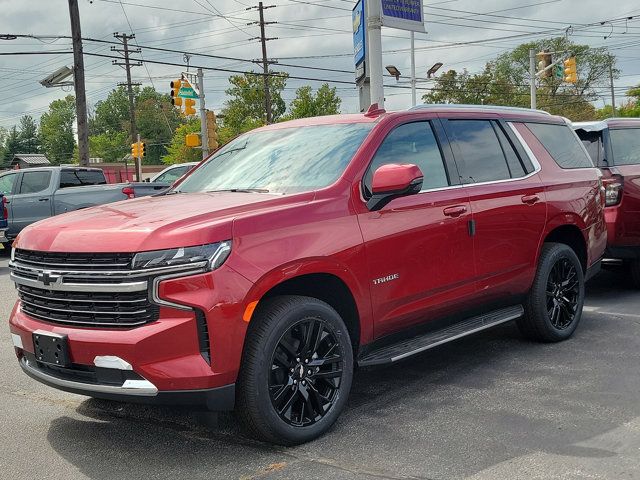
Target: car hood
{"type": "Point", "coordinates": [149, 223]}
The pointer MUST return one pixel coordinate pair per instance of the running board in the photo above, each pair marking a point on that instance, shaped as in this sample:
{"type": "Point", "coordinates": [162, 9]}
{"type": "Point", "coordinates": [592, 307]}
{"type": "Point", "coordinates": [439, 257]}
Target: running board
{"type": "Point", "coordinates": [398, 351]}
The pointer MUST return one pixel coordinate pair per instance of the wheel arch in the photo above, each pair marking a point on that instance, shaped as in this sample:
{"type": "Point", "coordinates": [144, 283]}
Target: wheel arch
{"type": "Point", "coordinates": [572, 236]}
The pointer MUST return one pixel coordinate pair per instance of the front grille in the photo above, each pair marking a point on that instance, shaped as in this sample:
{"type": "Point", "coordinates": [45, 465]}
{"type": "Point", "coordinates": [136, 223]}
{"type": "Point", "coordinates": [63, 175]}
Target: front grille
{"type": "Point", "coordinates": [88, 261]}
{"type": "Point", "coordinates": [88, 308]}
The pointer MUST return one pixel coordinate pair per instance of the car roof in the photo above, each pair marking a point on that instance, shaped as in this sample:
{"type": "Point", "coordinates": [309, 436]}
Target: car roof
{"type": "Point", "coordinates": [598, 126]}
{"type": "Point", "coordinates": [55, 167]}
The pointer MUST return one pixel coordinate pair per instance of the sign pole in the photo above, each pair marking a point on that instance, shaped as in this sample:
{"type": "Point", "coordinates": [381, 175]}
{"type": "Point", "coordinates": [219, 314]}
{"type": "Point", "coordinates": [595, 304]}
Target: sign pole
{"type": "Point", "coordinates": [374, 50]}
{"type": "Point", "coordinates": [139, 162]}
{"type": "Point", "coordinates": [204, 138]}
{"type": "Point", "coordinates": [413, 68]}
{"type": "Point", "coordinates": [532, 74]}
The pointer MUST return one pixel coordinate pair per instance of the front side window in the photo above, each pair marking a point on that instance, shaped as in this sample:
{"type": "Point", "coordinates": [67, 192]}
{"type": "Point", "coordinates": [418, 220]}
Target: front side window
{"type": "Point", "coordinates": [482, 157]}
{"type": "Point", "coordinates": [285, 160]}
{"type": "Point", "coordinates": [625, 144]}
{"type": "Point", "coordinates": [562, 144]}
{"type": "Point", "coordinates": [6, 183]}
{"type": "Point", "coordinates": [34, 182]}
{"type": "Point", "coordinates": [411, 143]}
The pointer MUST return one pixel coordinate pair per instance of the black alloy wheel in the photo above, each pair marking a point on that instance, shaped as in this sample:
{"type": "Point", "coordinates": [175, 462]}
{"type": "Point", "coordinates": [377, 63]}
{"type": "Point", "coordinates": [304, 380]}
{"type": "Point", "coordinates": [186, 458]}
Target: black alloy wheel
{"type": "Point", "coordinates": [563, 293]}
{"type": "Point", "coordinates": [306, 371]}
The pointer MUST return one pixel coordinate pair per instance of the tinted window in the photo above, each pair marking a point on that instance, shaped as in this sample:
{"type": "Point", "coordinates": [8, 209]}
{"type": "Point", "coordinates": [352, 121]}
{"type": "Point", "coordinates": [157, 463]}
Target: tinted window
{"type": "Point", "coordinates": [626, 146]}
{"type": "Point", "coordinates": [592, 141]}
{"type": "Point", "coordinates": [6, 183]}
{"type": "Point", "coordinates": [482, 157]}
{"type": "Point", "coordinates": [284, 160]}
{"type": "Point", "coordinates": [562, 144]}
{"type": "Point", "coordinates": [78, 178]}
{"type": "Point", "coordinates": [34, 182]}
{"type": "Point", "coordinates": [172, 175]}
{"type": "Point", "coordinates": [513, 161]}
{"type": "Point", "coordinates": [412, 143]}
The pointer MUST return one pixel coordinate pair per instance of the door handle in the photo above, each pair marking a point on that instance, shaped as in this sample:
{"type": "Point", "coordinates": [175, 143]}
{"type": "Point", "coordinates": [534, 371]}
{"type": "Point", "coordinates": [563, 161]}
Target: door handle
{"type": "Point", "coordinates": [43, 199]}
{"type": "Point", "coordinates": [530, 199]}
{"type": "Point", "coordinates": [455, 211]}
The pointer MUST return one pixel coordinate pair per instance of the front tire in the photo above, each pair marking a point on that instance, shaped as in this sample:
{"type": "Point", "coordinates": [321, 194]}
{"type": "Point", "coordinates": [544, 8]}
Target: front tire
{"type": "Point", "coordinates": [296, 370]}
{"type": "Point", "coordinates": [554, 305]}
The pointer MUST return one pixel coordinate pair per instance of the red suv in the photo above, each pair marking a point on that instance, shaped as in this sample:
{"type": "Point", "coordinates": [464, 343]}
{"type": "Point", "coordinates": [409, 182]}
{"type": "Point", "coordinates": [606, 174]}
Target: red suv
{"type": "Point", "coordinates": [305, 248]}
{"type": "Point", "coordinates": [614, 146]}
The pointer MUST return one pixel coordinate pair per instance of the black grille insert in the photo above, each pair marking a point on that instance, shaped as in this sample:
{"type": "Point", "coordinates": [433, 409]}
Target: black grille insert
{"type": "Point", "coordinates": [88, 261]}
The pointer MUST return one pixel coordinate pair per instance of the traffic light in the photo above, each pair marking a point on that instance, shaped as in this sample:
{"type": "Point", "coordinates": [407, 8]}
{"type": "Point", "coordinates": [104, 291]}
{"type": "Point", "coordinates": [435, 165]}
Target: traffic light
{"type": "Point", "coordinates": [175, 88]}
{"type": "Point", "coordinates": [135, 150]}
{"type": "Point", "coordinates": [192, 140]}
{"type": "Point", "coordinates": [545, 61]}
{"type": "Point", "coordinates": [189, 106]}
{"type": "Point", "coordinates": [212, 131]}
{"type": "Point", "coordinates": [142, 147]}
{"type": "Point", "coordinates": [570, 70]}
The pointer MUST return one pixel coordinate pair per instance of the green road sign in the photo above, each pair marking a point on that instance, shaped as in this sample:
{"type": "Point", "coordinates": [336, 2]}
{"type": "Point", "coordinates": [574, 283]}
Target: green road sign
{"type": "Point", "coordinates": [558, 71]}
{"type": "Point", "coordinates": [187, 92]}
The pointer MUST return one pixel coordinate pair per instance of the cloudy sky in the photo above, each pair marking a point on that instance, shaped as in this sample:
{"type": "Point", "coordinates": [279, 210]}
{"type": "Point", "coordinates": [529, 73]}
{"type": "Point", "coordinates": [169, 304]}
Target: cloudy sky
{"type": "Point", "coordinates": [307, 33]}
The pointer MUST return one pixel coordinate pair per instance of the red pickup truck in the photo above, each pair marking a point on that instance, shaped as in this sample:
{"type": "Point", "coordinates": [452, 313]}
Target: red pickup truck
{"type": "Point", "coordinates": [305, 248]}
{"type": "Point", "coordinates": [614, 146]}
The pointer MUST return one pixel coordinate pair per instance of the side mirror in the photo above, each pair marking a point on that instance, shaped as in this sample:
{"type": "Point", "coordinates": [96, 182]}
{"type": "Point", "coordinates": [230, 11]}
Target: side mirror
{"type": "Point", "coordinates": [393, 181]}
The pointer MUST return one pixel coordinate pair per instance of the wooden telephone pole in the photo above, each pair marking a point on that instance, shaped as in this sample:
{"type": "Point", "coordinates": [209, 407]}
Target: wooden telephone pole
{"type": "Point", "coordinates": [78, 81]}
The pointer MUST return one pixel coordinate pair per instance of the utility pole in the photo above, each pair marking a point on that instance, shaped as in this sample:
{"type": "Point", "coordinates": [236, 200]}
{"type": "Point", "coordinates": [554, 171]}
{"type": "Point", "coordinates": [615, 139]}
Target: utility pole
{"type": "Point", "coordinates": [613, 93]}
{"type": "Point", "coordinates": [413, 68]}
{"type": "Point", "coordinates": [265, 64]}
{"type": "Point", "coordinates": [374, 35]}
{"type": "Point", "coordinates": [124, 38]}
{"type": "Point", "coordinates": [532, 75]}
{"type": "Point", "coordinates": [204, 134]}
{"type": "Point", "coordinates": [78, 81]}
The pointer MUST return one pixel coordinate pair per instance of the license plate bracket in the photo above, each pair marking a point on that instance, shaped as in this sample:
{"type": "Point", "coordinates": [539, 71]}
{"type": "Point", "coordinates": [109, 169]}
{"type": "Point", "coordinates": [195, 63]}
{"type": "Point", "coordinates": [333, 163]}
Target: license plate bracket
{"type": "Point", "coordinates": [51, 348]}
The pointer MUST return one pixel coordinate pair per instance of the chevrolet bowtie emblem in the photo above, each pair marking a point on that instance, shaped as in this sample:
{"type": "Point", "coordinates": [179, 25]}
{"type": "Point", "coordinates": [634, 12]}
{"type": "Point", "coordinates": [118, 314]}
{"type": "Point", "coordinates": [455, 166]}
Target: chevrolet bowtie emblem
{"type": "Point", "coordinates": [47, 278]}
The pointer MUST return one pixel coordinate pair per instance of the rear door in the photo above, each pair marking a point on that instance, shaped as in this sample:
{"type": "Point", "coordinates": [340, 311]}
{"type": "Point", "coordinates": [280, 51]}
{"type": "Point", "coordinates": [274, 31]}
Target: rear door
{"type": "Point", "coordinates": [7, 186]}
{"type": "Point", "coordinates": [507, 203]}
{"type": "Point", "coordinates": [625, 146]}
{"type": "Point", "coordinates": [418, 248]}
{"type": "Point", "coordinates": [32, 200]}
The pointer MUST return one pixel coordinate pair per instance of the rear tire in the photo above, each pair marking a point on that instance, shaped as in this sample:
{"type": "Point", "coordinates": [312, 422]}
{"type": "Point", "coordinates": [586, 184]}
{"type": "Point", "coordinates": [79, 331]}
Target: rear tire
{"type": "Point", "coordinates": [634, 273]}
{"type": "Point", "coordinates": [554, 305]}
{"type": "Point", "coordinates": [296, 370]}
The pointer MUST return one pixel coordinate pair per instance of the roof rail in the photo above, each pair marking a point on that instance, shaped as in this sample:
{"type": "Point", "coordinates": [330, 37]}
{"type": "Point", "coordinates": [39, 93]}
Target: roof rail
{"type": "Point", "coordinates": [427, 106]}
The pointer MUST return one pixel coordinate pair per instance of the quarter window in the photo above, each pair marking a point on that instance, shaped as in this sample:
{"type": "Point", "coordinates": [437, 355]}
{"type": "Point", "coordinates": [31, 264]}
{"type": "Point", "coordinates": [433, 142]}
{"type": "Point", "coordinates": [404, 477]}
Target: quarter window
{"type": "Point", "coordinates": [6, 183]}
{"type": "Point", "coordinates": [562, 144]}
{"type": "Point", "coordinates": [482, 158]}
{"type": "Point", "coordinates": [513, 161]}
{"type": "Point", "coordinates": [411, 143]}
{"type": "Point", "coordinates": [34, 182]}
{"type": "Point", "coordinates": [626, 146]}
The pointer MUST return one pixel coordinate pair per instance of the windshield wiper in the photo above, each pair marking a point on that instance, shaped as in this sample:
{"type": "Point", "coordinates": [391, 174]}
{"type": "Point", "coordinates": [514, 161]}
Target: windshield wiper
{"type": "Point", "coordinates": [240, 190]}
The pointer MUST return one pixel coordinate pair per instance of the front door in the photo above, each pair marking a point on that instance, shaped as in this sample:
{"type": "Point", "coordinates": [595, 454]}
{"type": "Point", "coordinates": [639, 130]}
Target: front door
{"type": "Point", "coordinates": [31, 200]}
{"type": "Point", "coordinates": [418, 248]}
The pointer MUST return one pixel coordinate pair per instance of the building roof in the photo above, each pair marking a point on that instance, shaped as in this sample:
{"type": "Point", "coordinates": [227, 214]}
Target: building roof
{"type": "Point", "coordinates": [30, 159]}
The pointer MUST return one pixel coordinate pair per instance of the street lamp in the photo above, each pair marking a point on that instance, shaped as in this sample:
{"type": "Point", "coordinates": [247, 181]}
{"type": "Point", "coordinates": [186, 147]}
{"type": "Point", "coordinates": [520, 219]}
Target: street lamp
{"type": "Point", "coordinates": [393, 71]}
{"type": "Point", "coordinates": [434, 68]}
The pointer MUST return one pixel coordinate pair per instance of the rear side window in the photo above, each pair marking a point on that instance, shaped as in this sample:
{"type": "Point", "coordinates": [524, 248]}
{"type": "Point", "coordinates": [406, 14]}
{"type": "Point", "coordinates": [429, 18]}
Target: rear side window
{"type": "Point", "coordinates": [411, 143]}
{"type": "Point", "coordinates": [562, 144]}
{"type": "Point", "coordinates": [625, 144]}
{"type": "Point", "coordinates": [6, 183]}
{"type": "Point", "coordinates": [592, 141]}
{"type": "Point", "coordinates": [34, 182]}
{"type": "Point", "coordinates": [78, 178]}
{"type": "Point", "coordinates": [482, 158]}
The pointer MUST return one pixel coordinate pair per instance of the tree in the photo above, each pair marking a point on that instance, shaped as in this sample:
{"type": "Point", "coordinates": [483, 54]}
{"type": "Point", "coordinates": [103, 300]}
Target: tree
{"type": "Point", "coordinates": [111, 147]}
{"type": "Point", "coordinates": [12, 144]}
{"type": "Point", "coordinates": [177, 151]}
{"type": "Point", "coordinates": [306, 104]}
{"type": "Point", "coordinates": [56, 130]}
{"type": "Point", "coordinates": [245, 109]}
{"type": "Point", "coordinates": [29, 135]}
{"type": "Point", "coordinates": [111, 114]}
{"type": "Point", "coordinates": [157, 120]}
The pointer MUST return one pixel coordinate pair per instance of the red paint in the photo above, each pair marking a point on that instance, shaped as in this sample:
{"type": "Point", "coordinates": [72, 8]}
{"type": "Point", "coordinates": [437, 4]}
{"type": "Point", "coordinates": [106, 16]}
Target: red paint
{"type": "Point", "coordinates": [394, 177]}
{"type": "Point", "coordinates": [423, 238]}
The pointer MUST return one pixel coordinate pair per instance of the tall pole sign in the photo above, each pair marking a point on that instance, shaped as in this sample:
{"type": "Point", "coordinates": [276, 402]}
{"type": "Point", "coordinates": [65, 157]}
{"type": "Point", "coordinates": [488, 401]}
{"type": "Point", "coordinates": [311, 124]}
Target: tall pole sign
{"type": "Point", "coordinates": [358, 22]}
{"type": "Point", "coordinates": [403, 14]}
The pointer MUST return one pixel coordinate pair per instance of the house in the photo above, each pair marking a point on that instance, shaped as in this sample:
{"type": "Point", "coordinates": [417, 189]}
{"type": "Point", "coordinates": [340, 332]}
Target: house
{"type": "Point", "coordinates": [28, 160]}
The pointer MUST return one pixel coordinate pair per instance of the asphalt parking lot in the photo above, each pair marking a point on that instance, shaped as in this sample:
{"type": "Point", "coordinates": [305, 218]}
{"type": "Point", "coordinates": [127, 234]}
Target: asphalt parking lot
{"type": "Point", "coordinates": [493, 406]}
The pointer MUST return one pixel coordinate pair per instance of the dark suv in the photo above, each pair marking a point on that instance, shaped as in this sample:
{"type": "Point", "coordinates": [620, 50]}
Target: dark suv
{"type": "Point", "coordinates": [614, 146]}
{"type": "Point", "coordinates": [305, 248]}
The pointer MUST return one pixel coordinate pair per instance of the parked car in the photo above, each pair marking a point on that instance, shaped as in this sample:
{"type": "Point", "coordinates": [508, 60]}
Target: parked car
{"type": "Point", "coordinates": [614, 146]}
{"type": "Point", "coordinates": [304, 248]}
{"type": "Point", "coordinates": [37, 193]}
{"type": "Point", "coordinates": [172, 173]}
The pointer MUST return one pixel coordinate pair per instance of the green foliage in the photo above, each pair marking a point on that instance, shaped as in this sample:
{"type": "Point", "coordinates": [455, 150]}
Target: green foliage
{"type": "Point", "coordinates": [29, 142]}
{"type": "Point", "coordinates": [306, 104]}
{"type": "Point", "coordinates": [630, 108]}
{"type": "Point", "coordinates": [12, 144]}
{"type": "Point", "coordinates": [157, 120]}
{"type": "Point", "coordinates": [111, 147]}
{"type": "Point", "coordinates": [111, 114]}
{"type": "Point", "coordinates": [245, 109]}
{"type": "Point", "coordinates": [177, 151]}
{"type": "Point", "coordinates": [56, 130]}
{"type": "Point", "coordinates": [505, 81]}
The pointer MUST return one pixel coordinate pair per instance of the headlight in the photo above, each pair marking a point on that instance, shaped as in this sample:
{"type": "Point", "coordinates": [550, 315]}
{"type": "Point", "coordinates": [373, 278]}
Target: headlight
{"type": "Point", "coordinates": [208, 257]}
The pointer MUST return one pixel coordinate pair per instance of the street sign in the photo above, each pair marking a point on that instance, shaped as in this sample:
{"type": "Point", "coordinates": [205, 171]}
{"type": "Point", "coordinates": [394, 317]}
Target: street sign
{"type": "Point", "coordinates": [187, 92]}
{"type": "Point", "coordinates": [359, 38]}
{"type": "Point", "coordinates": [403, 14]}
{"type": "Point", "coordinates": [558, 71]}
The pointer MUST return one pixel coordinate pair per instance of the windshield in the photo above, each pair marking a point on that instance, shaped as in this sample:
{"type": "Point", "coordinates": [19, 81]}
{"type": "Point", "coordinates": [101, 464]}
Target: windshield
{"type": "Point", "coordinates": [287, 160]}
